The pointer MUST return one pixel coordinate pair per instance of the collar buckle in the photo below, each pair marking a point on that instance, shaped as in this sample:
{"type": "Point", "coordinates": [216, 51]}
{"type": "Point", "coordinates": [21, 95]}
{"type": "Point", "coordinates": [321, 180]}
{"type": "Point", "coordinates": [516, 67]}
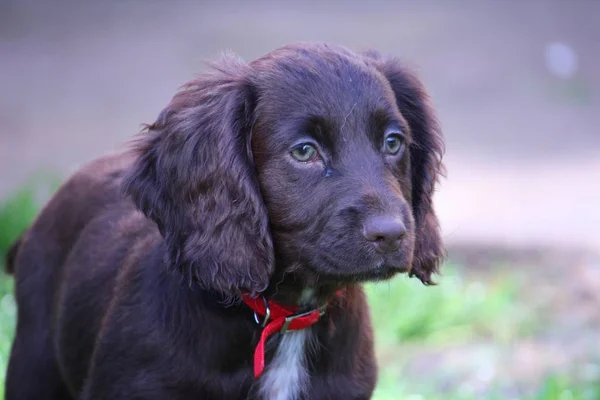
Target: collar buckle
{"type": "Point", "coordinates": [267, 314]}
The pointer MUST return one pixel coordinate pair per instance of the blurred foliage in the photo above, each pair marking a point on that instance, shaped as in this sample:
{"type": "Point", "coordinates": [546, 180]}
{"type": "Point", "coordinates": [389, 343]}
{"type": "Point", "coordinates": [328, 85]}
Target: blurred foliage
{"type": "Point", "coordinates": [15, 214]}
{"type": "Point", "coordinates": [405, 313]}
{"type": "Point", "coordinates": [19, 209]}
{"type": "Point", "coordinates": [7, 324]}
{"type": "Point", "coordinates": [553, 387]}
{"type": "Point", "coordinates": [454, 311]}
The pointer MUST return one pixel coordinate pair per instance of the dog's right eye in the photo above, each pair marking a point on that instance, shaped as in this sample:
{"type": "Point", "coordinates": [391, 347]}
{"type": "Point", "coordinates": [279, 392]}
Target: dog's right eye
{"type": "Point", "coordinates": [304, 152]}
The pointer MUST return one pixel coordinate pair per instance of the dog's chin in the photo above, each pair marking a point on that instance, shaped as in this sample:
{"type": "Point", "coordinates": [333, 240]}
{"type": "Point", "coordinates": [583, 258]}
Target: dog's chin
{"type": "Point", "coordinates": [379, 271]}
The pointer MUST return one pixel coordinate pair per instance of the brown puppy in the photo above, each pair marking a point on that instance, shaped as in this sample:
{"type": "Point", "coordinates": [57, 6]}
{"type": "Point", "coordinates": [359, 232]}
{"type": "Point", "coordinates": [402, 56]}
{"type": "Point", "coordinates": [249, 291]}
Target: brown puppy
{"type": "Point", "coordinates": [304, 172]}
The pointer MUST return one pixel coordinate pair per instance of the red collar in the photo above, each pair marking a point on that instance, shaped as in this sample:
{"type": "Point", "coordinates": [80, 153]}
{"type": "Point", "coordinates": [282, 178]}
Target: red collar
{"type": "Point", "coordinates": [277, 318]}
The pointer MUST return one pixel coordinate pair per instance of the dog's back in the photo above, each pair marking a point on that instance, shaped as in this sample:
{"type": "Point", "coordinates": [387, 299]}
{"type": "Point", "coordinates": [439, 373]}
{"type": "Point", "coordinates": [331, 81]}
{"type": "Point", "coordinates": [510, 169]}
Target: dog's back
{"type": "Point", "coordinates": [37, 258]}
{"type": "Point", "coordinates": [77, 201]}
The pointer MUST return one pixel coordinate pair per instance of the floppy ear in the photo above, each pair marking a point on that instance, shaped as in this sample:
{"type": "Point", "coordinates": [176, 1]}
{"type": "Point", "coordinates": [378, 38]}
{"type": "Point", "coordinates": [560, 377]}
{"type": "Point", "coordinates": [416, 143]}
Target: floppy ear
{"type": "Point", "coordinates": [425, 162]}
{"type": "Point", "coordinates": [194, 177]}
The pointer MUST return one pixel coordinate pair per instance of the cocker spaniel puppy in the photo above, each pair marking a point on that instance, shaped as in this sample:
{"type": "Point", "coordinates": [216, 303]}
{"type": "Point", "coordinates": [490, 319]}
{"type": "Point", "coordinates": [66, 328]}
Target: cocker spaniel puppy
{"type": "Point", "coordinates": [223, 257]}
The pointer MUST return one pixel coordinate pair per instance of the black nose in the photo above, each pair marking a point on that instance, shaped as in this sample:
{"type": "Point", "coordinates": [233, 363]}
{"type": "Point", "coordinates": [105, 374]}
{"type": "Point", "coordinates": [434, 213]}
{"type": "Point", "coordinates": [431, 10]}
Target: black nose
{"type": "Point", "coordinates": [386, 232]}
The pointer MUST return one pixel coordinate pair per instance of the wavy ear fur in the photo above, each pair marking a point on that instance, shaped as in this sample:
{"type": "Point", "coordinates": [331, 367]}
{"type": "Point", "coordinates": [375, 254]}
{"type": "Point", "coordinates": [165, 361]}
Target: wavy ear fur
{"type": "Point", "coordinates": [425, 162]}
{"type": "Point", "coordinates": [194, 177]}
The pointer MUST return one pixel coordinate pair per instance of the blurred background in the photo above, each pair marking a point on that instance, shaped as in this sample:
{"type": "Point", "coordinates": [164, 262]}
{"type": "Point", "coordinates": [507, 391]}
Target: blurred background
{"type": "Point", "coordinates": [516, 84]}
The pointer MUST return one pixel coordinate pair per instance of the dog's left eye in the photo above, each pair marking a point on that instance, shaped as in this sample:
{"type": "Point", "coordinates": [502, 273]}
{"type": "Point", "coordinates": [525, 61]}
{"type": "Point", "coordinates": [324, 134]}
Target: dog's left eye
{"type": "Point", "coordinates": [305, 152]}
{"type": "Point", "coordinates": [394, 143]}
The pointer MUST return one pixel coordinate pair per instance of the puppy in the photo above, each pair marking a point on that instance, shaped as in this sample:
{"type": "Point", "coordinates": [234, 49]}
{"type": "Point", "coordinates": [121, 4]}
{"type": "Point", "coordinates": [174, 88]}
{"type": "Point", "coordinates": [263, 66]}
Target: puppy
{"type": "Point", "coordinates": [222, 258]}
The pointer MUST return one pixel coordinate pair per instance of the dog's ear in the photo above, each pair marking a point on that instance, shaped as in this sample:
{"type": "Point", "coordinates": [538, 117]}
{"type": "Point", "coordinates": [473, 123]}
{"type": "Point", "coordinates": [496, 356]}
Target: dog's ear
{"type": "Point", "coordinates": [425, 161]}
{"type": "Point", "coordinates": [194, 177]}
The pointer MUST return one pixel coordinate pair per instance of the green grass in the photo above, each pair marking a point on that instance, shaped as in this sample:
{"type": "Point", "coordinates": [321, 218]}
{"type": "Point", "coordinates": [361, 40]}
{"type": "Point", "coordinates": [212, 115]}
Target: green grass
{"type": "Point", "coordinates": [458, 310]}
{"type": "Point", "coordinates": [554, 387]}
{"type": "Point", "coordinates": [7, 324]}
{"type": "Point", "coordinates": [406, 315]}
{"type": "Point", "coordinates": [17, 211]}
{"type": "Point", "coordinates": [455, 310]}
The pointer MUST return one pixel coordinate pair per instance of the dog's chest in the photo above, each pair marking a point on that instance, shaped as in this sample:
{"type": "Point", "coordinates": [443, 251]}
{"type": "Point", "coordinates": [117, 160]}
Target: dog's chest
{"type": "Point", "coordinates": [286, 376]}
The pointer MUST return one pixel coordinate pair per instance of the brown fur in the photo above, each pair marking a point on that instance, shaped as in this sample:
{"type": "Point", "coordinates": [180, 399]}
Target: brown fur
{"type": "Point", "coordinates": [137, 296]}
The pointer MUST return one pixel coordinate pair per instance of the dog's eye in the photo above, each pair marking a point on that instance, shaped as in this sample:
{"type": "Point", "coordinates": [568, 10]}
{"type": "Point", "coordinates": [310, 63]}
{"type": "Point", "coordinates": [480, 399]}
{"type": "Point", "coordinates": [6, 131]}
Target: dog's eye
{"type": "Point", "coordinates": [394, 143]}
{"type": "Point", "coordinates": [304, 152]}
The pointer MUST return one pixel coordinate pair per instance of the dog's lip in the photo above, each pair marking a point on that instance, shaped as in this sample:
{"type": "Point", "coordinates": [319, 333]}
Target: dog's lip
{"type": "Point", "coordinates": [386, 268]}
{"type": "Point", "coordinates": [385, 263]}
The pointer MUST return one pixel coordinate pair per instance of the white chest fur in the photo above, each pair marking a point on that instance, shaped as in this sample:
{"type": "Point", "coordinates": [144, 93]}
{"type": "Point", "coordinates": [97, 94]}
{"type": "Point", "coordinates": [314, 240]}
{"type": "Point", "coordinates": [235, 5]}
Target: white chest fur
{"type": "Point", "coordinates": [286, 376]}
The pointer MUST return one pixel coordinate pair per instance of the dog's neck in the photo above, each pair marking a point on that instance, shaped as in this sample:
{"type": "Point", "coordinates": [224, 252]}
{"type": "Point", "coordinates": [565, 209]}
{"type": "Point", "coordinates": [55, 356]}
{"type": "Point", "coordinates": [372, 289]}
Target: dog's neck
{"type": "Point", "coordinates": [292, 291]}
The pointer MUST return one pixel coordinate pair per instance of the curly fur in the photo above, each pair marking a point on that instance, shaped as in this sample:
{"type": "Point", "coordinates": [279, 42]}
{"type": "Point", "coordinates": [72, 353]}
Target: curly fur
{"type": "Point", "coordinates": [128, 282]}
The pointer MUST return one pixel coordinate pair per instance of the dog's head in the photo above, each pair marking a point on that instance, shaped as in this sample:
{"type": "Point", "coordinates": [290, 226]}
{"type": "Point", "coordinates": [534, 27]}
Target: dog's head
{"type": "Point", "coordinates": [312, 158]}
